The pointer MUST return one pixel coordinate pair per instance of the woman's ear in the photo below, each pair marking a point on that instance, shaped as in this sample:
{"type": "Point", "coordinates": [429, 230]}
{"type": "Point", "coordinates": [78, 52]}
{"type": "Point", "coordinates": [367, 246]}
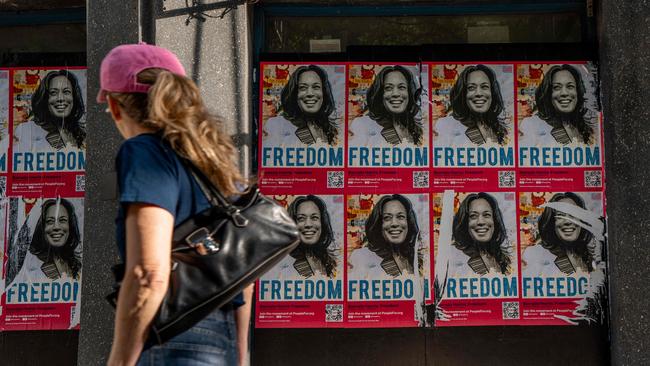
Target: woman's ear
{"type": "Point", "coordinates": [114, 108]}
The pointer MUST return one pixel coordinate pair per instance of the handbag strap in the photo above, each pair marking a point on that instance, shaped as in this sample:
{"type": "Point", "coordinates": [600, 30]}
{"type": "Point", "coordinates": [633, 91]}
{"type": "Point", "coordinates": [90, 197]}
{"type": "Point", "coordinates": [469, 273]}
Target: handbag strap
{"type": "Point", "coordinates": [214, 196]}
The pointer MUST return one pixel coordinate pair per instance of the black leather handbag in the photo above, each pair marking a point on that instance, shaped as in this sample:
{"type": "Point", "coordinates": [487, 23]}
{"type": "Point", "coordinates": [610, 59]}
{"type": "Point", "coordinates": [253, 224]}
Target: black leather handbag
{"type": "Point", "coordinates": [217, 253]}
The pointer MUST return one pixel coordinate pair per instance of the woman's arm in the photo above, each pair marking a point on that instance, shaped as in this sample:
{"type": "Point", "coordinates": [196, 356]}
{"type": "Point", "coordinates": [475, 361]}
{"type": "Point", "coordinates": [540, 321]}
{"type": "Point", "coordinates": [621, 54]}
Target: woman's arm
{"type": "Point", "coordinates": [148, 252]}
{"type": "Point", "coordinates": [243, 318]}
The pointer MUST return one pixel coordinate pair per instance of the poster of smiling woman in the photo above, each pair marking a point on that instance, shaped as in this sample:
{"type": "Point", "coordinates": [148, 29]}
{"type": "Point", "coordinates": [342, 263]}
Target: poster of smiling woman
{"type": "Point", "coordinates": [387, 259]}
{"type": "Point", "coordinates": [558, 114]}
{"type": "Point", "coordinates": [473, 124]}
{"type": "Point", "coordinates": [562, 257]}
{"type": "Point", "coordinates": [43, 269]}
{"type": "Point", "coordinates": [388, 126]}
{"type": "Point", "coordinates": [306, 288]}
{"type": "Point", "coordinates": [387, 112]}
{"type": "Point", "coordinates": [476, 262]}
{"type": "Point", "coordinates": [49, 129]}
{"type": "Point", "coordinates": [4, 120]}
{"type": "Point", "coordinates": [301, 123]}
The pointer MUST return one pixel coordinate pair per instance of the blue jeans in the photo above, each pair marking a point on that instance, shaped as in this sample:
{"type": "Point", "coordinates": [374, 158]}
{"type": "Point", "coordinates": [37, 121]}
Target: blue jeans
{"type": "Point", "coordinates": [213, 341]}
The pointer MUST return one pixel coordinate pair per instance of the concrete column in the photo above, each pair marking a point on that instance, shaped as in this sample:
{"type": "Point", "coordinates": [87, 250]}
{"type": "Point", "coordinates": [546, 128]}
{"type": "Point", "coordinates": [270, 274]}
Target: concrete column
{"type": "Point", "coordinates": [625, 66]}
{"type": "Point", "coordinates": [216, 53]}
{"type": "Point", "coordinates": [109, 24]}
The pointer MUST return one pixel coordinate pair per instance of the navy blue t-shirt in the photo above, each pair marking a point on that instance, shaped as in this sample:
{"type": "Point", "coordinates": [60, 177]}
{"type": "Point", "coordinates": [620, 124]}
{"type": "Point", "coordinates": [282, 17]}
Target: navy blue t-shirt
{"type": "Point", "coordinates": [149, 171]}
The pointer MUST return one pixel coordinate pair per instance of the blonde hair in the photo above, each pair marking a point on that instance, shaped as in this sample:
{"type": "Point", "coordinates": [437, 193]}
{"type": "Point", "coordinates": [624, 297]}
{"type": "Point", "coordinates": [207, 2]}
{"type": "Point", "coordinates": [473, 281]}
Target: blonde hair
{"type": "Point", "coordinates": [174, 107]}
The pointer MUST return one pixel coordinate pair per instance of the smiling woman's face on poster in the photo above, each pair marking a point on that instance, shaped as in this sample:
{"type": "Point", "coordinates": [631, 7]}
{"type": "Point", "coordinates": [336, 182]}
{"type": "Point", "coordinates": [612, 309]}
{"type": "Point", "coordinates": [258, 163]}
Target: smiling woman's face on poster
{"type": "Point", "coordinates": [56, 225]}
{"type": "Point", "coordinates": [394, 222]}
{"type": "Point", "coordinates": [308, 218]}
{"type": "Point", "coordinates": [310, 93]}
{"type": "Point", "coordinates": [60, 99]}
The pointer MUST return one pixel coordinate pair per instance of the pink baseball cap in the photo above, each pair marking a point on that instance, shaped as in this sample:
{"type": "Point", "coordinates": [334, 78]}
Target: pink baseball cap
{"type": "Point", "coordinates": [121, 66]}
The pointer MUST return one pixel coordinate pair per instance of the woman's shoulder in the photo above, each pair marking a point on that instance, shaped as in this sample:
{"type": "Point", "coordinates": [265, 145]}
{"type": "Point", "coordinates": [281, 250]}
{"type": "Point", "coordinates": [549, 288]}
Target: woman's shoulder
{"type": "Point", "coordinates": [538, 261]}
{"type": "Point", "coordinates": [143, 145]}
{"type": "Point", "coordinates": [448, 123]}
{"type": "Point", "coordinates": [27, 125]}
{"type": "Point", "coordinates": [458, 266]}
{"type": "Point", "coordinates": [534, 129]}
{"type": "Point", "coordinates": [279, 131]}
{"type": "Point", "coordinates": [363, 263]}
{"type": "Point", "coordinates": [364, 124]}
{"type": "Point", "coordinates": [449, 132]}
{"type": "Point", "coordinates": [363, 256]}
{"type": "Point", "coordinates": [275, 120]}
{"type": "Point", "coordinates": [457, 256]}
{"type": "Point", "coordinates": [533, 122]}
{"type": "Point", "coordinates": [278, 123]}
{"type": "Point", "coordinates": [148, 152]}
{"type": "Point", "coordinates": [537, 253]}
{"type": "Point", "coordinates": [364, 129]}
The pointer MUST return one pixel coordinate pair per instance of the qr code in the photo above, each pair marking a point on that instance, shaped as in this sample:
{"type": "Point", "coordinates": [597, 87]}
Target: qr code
{"type": "Point", "coordinates": [510, 310]}
{"type": "Point", "coordinates": [421, 179]}
{"type": "Point", "coordinates": [333, 312]}
{"type": "Point", "coordinates": [80, 183]}
{"type": "Point", "coordinates": [335, 179]}
{"type": "Point", "coordinates": [506, 179]}
{"type": "Point", "coordinates": [593, 178]}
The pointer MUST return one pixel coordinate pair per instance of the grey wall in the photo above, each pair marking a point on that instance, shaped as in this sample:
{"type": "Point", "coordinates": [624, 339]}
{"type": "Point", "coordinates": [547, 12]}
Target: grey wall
{"type": "Point", "coordinates": [625, 63]}
{"type": "Point", "coordinates": [216, 54]}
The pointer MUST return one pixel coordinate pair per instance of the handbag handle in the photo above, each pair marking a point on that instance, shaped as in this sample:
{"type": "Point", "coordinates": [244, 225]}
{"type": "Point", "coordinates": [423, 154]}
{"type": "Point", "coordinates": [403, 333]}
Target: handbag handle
{"type": "Point", "coordinates": [214, 196]}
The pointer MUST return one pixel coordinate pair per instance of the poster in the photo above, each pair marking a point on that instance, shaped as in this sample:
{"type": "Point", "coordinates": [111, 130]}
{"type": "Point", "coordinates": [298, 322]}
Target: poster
{"type": "Point", "coordinates": [559, 127]}
{"type": "Point", "coordinates": [476, 257]}
{"type": "Point", "coordinates": [467, 193]}
{"type": "Point", "coordinates": [473, 126]}
{"type": "Point", "coordinates": [49, 131]}
{"type": "Point", "coordinates": [388, 127]}
{"type": "Point", "coordinates": [4, 122]}
{"type": "Point", "coordinates": [302, 131]}
{"type": "Point", "coordinates": [43, 143]}
{"type": "Point", "coordinates": [306, 288]}
{"type": "Point", "coordinates": [388, 260]}
{"type": "Point", "coordinates": [43, 268]}
{"type": "Point", "coordinates": [562, 263]}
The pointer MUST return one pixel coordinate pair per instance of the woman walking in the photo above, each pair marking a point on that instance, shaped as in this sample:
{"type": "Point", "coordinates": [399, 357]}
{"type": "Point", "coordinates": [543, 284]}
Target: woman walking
{"type": "Point", "coordinates": [160, 113]}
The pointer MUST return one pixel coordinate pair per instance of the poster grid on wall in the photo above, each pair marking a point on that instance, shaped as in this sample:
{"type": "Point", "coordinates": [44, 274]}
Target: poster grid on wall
{"type": "Point", "coordinates": [43, 143]}
{"type": "Point", "coordinates": [467, 193]}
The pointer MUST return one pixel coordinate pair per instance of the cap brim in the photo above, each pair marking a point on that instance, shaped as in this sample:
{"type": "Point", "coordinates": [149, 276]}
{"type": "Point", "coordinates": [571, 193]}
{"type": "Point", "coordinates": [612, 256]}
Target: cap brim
{"type": "Point", "coordinates": [101, 96]}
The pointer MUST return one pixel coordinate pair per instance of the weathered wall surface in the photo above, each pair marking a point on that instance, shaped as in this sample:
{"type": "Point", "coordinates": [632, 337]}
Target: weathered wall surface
{"type": "Point", "coordinates": [625, 65]}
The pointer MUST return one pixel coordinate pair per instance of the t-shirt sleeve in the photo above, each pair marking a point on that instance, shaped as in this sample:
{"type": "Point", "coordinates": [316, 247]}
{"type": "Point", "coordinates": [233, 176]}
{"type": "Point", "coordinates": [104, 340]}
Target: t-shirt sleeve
{"type": "Point", "coordinates": [145, 174]}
